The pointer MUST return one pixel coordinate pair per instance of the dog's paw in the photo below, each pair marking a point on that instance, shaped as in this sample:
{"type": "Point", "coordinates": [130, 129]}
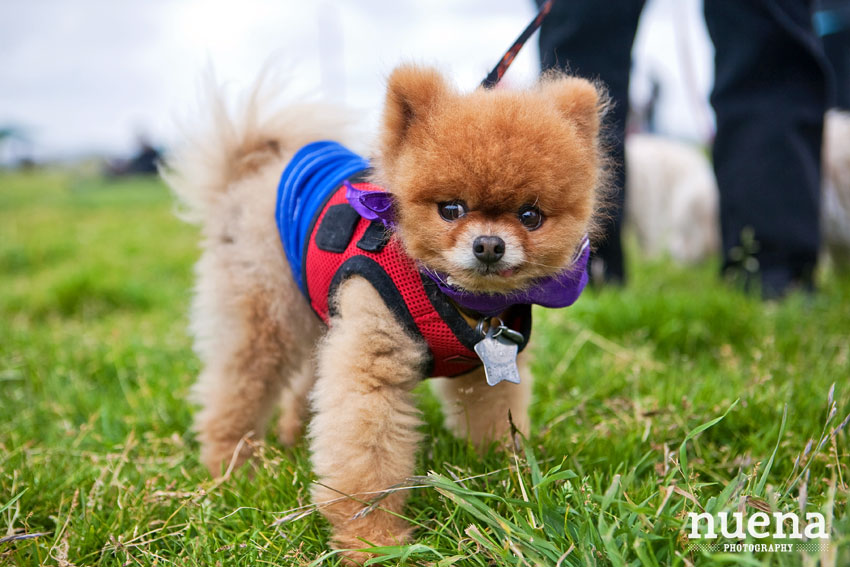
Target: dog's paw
{"type": "Point", "coordinates": [290, 428]}
{"type": "Point", "coordinates": [222, 456]}
{"type": "Point", "coordinates": [352, 546]}
{"type": "Point", "coordinates": [353, 558]}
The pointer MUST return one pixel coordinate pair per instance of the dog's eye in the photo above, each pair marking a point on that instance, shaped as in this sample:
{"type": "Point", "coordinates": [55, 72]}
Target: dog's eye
{"type": "Point", "coordinates": [451, 210]}
{"type": "Point", "coordinates": [530, 217]}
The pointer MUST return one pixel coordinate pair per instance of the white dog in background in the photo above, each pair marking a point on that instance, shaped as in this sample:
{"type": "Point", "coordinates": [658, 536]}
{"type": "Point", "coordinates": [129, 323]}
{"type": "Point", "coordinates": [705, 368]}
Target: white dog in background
{"type": "Point", "coordinates": [835, 199]}
{"type": "Point", "coordinates": [672, 198]}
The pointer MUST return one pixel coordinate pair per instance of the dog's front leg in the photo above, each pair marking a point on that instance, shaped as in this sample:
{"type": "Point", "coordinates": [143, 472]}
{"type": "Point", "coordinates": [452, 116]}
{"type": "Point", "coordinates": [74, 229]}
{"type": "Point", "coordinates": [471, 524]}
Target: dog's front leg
{"type": "Point", "coordinates": [479, 413]}
{"type": "Point", "coordinates": [364, 432]}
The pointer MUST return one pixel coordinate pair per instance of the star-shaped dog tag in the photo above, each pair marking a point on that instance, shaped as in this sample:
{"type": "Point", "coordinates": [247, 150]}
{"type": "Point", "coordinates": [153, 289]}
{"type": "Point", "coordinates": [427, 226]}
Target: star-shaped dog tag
{"type": "Point", "coordinates": [498, 353]}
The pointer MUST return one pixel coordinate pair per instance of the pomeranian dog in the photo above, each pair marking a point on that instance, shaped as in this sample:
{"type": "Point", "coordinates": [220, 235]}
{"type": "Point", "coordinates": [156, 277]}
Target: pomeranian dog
{"type": "Point", "coordinates": [472, 207]}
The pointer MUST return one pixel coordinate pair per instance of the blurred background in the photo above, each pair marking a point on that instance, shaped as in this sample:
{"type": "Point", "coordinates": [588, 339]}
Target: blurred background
{"type": "Point", "coordinates": [96, 79]}
{"type": "Point", "coordinates": [98, 464]}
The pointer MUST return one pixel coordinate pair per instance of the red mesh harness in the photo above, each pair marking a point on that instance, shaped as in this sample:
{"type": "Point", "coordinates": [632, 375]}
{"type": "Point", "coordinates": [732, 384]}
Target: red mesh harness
{"type": "Point", "coordinates": [342, 244]}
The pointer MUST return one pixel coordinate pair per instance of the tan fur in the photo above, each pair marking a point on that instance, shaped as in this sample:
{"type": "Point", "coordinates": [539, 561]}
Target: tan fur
{"type": "Point", "coordinates": [364, 434]}
{"type": "Point", "coordinates": [479, 413]}
{"type": "Point", "coordinates": [256, 334]}
{"type": "Point", "coordinates": [294, 405]}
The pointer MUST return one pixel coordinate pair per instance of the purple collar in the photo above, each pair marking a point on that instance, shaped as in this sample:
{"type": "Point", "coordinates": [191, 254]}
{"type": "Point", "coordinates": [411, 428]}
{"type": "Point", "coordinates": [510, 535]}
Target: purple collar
{"type": "Point", "coordinates": [560, 290]}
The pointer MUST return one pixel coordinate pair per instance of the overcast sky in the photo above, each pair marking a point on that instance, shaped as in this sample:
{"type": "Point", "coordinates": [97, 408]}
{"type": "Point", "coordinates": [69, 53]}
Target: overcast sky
{"type": "Point", "coordinates": [86, 75]}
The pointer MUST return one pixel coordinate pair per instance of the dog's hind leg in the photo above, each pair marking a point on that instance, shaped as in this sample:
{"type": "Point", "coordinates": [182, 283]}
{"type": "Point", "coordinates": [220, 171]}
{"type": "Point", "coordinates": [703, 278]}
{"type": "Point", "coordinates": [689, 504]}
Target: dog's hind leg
{"type": "Point", "coordinates": [364, 432]}
{"type": "Point", "coordinates": [478, 412]}
{"type": "Point", "coordinates": [254, 334]}
{"type": "Point", "coordinates": [294, 405]}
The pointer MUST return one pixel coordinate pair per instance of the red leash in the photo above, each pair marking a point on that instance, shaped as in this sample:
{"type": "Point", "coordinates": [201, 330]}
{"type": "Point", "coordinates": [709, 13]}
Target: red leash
{"type": "Point", "coordinates": [496, 74]}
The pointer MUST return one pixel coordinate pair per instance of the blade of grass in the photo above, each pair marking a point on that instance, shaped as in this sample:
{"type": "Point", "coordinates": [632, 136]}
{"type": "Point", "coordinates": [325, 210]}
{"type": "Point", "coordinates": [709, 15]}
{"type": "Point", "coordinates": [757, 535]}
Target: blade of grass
{"type": "Point", "coordinates": [683, 454]}
{"type": "Point", "coordinates": [766, 471]}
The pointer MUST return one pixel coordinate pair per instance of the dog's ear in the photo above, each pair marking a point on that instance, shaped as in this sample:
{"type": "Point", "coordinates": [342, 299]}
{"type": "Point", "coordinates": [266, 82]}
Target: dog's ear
{"type": "Point", "coordinates": [412, 92]}
{"type": "Point", "coordinates": [580, 101]}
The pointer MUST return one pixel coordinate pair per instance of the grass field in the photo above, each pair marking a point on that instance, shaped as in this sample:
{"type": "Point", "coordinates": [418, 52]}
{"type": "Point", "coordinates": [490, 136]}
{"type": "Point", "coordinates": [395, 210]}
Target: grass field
{"type": "Point", "coordinates": [97, 466]}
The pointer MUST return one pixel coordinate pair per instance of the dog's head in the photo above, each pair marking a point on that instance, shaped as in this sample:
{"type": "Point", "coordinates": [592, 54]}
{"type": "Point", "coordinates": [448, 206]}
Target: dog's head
{"type": "Point", "coordinates": [494, 188]}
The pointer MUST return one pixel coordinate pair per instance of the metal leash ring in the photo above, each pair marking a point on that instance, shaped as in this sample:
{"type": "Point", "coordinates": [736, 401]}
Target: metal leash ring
{"type": "Point", "coordinates": [499, 330]}
{"type": "Point", "coordinates": [479, 328]}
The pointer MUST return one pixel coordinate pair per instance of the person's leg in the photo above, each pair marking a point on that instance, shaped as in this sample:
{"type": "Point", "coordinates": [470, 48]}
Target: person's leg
{"type": "Point", "coordinates": [770, 96]}
{"type": "Point", "coordinates": [593, 39]}
{"type": "Point", "coordinates": [832, 24]}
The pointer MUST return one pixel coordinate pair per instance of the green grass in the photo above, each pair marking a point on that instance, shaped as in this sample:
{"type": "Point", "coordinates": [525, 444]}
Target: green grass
{"type": "Point", "coordinates": [97, 466]}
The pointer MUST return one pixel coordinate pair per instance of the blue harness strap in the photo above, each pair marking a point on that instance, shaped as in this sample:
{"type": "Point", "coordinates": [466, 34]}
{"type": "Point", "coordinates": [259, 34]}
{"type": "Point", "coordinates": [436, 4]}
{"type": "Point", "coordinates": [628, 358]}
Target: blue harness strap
{"type": "Point", "coordinates": [310, 178]}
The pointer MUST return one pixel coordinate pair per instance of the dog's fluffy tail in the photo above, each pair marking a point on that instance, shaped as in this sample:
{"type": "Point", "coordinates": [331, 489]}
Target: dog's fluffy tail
{"type": "Point", "coordinates": [223, 145]}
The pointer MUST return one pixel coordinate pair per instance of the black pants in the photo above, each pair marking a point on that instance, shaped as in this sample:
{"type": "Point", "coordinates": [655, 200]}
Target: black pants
{"type": "Point", "coordinates": [769, 95]}
{"type": "Point", "coordinates": [832, 19]}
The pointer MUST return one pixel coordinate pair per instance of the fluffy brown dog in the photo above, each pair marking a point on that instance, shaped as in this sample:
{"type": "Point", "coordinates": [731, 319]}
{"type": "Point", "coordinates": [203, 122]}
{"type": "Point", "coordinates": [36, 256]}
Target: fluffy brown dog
{"type": "Point", "coordinates": [490, 156]}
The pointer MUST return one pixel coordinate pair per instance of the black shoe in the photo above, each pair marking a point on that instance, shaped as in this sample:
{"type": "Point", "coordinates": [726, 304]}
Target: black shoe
{"type": "Point", "coordinates": [772, 283]}
{"type": "Point", "coordinates": [776, 283]}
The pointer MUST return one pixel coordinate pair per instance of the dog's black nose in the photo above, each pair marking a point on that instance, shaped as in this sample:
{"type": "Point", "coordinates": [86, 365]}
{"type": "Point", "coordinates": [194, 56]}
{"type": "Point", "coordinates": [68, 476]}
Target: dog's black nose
{"type": "Point", "coordinates": [488, 249]}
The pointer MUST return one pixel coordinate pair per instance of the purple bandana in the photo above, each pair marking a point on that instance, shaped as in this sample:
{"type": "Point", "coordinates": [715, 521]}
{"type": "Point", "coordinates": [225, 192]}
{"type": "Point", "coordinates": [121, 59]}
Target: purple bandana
{"type": "Point", "coordinates": [560, 290]}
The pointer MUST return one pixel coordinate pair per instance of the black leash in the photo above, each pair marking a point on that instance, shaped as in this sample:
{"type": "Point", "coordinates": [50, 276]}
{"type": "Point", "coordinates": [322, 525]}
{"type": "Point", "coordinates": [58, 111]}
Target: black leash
{"type": "Point", "coordinates": [496, 74]}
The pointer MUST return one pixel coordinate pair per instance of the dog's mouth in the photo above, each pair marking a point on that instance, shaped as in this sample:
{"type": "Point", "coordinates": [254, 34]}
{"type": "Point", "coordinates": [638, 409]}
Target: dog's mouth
{"type": "Point", "coordinates": [463, 272]}
{"type": "Point", "coordinates": [488, 279]}
{"type": "Point", "coordinates": [495, 271]}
